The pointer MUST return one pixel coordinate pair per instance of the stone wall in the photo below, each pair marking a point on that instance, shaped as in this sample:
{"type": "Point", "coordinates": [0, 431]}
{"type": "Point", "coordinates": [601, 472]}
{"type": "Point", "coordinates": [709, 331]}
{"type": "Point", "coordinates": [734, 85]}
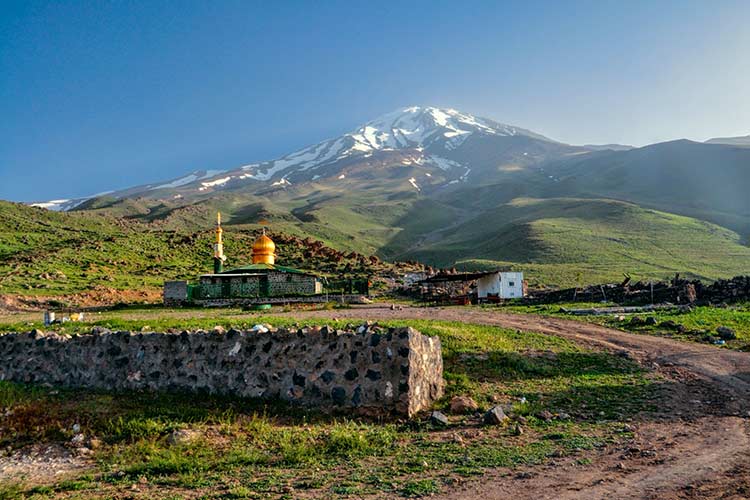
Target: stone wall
{"type": "Point", "coordinates": [175, 292]}
{"type": "Point", "coordinates": [394, 370]}
{"type": "Point", "coordinates": [291, 284]}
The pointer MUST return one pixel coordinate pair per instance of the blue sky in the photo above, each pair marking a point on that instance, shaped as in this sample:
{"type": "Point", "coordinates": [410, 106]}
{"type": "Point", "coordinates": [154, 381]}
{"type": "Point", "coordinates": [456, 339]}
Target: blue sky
{"type": "Point", "coordinates": [108, 94]}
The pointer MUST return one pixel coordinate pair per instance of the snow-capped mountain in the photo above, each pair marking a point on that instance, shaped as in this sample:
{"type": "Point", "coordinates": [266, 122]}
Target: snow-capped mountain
{"type": "Point", "coordinates": [457, 146]}
{"type": "Point", "coordinates": [433, 130]}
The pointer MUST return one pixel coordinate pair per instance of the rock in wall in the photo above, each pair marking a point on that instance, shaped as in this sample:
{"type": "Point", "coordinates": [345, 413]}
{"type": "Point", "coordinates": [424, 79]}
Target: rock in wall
{"type": "Point", "coordinates": [397, 370]}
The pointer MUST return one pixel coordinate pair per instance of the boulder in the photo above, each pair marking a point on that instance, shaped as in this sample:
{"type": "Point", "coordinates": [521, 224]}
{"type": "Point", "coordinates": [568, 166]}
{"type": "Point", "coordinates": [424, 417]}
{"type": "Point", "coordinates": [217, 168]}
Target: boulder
{"type": "Point", "coordinates": [463, 404]}
{"type": "Point", "coordinates": [726, 333]}
{"type": "Point", "coordinates": [669, 324]}
{"type": "Point", "coordinates": [494, 416]}
{"type": "Point", "coordinates": [636, 321]}
{"type": "Point", "coordinates": [438, 419]}
{"type": "Point", "coordinates": [651, 321]}
{"type": "Point", "coordinates": [181, 437]}
{"type": "Point", "coordinates": [545, 415]}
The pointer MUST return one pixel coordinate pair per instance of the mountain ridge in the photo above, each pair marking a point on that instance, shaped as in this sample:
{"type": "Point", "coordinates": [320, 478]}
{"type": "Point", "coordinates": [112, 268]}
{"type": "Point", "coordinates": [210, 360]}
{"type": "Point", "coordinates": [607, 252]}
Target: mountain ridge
{"type": "Point", "coordinates": [429, 136]}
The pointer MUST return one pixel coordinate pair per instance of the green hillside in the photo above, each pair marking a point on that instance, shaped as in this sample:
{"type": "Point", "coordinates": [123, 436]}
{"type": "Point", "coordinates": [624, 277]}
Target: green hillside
{"type": "Point", "coordinates": [706, 181]}
{"type": "Point", "coordinates": [137, 244]}
{"type": "Point", "coordinates": [557, 240]}
{"type": "Point", "coordinates": [51, 253]}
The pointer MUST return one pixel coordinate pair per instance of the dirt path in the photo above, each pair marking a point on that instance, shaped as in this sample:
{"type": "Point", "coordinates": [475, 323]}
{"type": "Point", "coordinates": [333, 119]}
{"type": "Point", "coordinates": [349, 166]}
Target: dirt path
{"type": "Point", "coordinates": [696, 446]}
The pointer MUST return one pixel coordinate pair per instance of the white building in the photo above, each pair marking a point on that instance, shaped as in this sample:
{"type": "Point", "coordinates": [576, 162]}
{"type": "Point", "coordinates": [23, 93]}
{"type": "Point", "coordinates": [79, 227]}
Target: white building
{"type": "Point", "coordinates": [504, 285]}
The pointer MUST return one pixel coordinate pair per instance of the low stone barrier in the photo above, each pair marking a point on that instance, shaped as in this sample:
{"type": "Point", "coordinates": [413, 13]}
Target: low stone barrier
{"type": "Point", "coordinates": [393, 370]}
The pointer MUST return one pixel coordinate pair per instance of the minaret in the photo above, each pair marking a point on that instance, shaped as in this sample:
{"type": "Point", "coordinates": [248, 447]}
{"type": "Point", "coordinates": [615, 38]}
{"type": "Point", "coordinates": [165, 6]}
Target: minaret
{"type": "Point", "coordinates": [219, 256]}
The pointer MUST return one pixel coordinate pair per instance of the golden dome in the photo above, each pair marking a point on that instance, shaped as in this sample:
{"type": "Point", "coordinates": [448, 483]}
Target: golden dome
{"type": "Point", "coordinates": [263, 250]}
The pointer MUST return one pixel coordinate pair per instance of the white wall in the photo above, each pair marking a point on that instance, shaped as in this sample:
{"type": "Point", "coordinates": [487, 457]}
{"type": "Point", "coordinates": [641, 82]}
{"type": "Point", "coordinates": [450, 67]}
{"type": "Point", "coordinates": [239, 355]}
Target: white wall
{"type": "Point", "coordinates": [488, 284]}
{"type": "Point", "coordinates": [505, 285]}
{"type": "Point", "coordinates": [511, 285]}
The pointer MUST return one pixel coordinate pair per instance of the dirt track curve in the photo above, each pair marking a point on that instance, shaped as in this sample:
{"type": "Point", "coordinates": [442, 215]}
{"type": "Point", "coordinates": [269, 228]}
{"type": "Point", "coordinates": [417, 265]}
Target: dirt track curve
{"type": "Point", "coordinates": [697, 445]}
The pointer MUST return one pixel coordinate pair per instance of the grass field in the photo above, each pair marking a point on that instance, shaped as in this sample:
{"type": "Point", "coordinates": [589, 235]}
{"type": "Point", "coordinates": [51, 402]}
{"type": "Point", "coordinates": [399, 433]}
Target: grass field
{"type": "Point", "coordinates": [255, 449]}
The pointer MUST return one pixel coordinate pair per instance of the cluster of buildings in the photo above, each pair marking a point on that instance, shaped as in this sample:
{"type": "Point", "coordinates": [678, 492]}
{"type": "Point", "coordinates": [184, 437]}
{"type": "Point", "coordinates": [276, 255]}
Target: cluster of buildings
{"type": "Point", "coordinates": [261, 282]}
{"type": "Point", "coordinates": [264, 282]}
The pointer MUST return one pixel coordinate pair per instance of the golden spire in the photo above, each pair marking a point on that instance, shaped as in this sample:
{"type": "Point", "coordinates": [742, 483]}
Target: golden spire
{"type": "Point", "coordinates": [263, 250]}
{"type": "Point", "coordinates": [219, 256]}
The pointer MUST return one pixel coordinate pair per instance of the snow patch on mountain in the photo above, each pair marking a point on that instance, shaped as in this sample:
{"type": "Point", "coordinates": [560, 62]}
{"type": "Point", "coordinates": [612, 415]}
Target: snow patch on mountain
{"type": "Point", "coordinates": [59, 205]}
{"type": "Point", "coordinates": [443, 163]}
{"type": "Point", "coordinates": [214, 183]}
{"type": "Point", "coordinates": [177, 182]}
{"type": "Point", "coordinates": [413, 127]}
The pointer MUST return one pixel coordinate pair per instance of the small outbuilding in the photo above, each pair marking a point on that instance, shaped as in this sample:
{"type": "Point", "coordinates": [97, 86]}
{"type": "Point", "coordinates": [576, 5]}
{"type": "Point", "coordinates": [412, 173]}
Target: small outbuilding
{"type": "Point", "coordinates": [503, 285]}
{"type": "Point", "coordinates": [463, 288]}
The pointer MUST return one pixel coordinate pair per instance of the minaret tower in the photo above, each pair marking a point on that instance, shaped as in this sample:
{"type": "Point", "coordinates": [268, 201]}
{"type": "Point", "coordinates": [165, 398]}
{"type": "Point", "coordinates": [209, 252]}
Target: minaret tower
{"type": "Point", "coordinates": [219, 256]}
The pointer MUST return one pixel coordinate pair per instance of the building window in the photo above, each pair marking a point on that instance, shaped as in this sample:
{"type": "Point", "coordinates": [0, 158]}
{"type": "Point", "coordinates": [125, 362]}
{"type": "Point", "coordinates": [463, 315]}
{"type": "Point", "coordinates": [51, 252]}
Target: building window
{"type": "Point", "coordinates": [511, 283]}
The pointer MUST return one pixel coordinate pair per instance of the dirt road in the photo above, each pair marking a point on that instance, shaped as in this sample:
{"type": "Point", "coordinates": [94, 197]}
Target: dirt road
{"type": "Point", "coordinates": [697, 445]}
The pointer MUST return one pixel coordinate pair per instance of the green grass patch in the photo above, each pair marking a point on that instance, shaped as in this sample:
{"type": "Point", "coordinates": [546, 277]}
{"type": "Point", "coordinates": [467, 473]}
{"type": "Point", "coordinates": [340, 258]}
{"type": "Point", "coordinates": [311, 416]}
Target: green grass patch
{"type": "Point", "coordinates": [251, 447]}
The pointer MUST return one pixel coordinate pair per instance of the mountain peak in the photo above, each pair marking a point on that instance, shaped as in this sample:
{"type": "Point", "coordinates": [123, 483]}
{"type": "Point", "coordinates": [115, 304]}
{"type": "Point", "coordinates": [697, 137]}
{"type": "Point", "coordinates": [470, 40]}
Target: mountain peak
{"type": "Point", "coordinates": [424, 136]}
{"type": "Point", "coordinates": [420, 126]}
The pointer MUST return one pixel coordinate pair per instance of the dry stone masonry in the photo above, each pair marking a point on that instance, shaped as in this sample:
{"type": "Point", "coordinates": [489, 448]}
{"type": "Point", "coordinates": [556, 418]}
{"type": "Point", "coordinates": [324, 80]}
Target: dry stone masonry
{"type": "Point", "coordinates": [676, 291]}
{"type": "Point", "coordinates": [392, 370]}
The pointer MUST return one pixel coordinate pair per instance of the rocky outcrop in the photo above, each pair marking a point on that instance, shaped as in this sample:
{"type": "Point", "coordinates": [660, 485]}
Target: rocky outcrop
{"type": "Point", "coordinates": [391, 370]}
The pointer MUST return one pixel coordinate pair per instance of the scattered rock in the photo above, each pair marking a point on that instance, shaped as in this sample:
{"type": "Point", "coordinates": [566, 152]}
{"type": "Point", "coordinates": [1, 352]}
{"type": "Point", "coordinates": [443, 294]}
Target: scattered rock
{"type": "Point", "coordinates": [438, 419]}
{"type": "Point", "coordinates": [637, 321]}
{"type": "Point", "coordinates": [463, 404]}
{"type": "Point", "coordinates": [218, 329]}
{"type": "Point", "coordinates": [563, 416]}
{"type": "Point", "coordinates": [651, 321]}
{"type": "Point", "coordinates": [669, 324]}
{"type": "Point", "coordinates": [545, 415]}
{"type": "Point", "coordinates": [181, 437]}
{"type": "Point", "coordinates": [517, 430]}
{"type": "Point", "coordinates": [494, 416]}
{"type": "Point", "coordinates": [726, 333]}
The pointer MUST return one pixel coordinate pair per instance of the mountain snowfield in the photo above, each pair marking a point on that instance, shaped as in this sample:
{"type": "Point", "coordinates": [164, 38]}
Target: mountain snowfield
{"type": "Point", "coordinates": [428, 136]}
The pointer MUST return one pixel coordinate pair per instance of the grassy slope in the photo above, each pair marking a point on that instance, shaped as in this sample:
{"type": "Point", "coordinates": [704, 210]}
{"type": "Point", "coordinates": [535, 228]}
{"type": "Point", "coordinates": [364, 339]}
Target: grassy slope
{"type": "Point", "coordinates": [559, 239]}
{"type": "Point", "coordinates": [49, 253]}
{"type": "Point", "coordinates": [250, 448]}
{"type": "Point", "coordinates": [694, 179]}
